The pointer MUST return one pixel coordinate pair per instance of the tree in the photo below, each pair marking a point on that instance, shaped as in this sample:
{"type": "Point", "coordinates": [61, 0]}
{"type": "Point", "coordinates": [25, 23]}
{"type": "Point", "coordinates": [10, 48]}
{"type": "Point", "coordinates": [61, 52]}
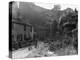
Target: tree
{"type": "Point", "coordinates": [57, 7]}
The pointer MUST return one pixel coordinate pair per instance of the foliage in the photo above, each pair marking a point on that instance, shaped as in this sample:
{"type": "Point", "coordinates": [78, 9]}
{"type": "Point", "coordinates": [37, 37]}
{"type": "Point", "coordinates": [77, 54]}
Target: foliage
{"type": "Point", "coordinates": [69, 28]}
{"type": "Point", "coordinates": [47, 27]}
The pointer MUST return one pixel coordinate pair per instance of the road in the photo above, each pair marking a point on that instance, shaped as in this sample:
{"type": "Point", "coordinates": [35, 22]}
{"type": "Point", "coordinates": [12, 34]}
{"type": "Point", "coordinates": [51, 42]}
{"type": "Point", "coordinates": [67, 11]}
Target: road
{"type": "Point", "coordinates": [21, 53]}
{"type": "Point", "coordinates": [25, 53]}
{"type": "Point", "coordinates": [41, 51]}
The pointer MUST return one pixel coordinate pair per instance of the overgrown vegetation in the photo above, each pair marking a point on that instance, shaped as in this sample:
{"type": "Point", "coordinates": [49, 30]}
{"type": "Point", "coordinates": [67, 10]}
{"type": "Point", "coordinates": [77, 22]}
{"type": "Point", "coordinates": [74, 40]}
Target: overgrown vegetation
{"type": "Point", "coordinates": [58, 33]}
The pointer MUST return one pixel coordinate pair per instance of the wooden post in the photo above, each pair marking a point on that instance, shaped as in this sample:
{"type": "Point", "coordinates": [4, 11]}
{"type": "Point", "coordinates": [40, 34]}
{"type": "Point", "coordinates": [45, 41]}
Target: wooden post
{"type": "Point", "coordinates": [32, 33]}
{"type": "Point", "coordinates": [24, 32]}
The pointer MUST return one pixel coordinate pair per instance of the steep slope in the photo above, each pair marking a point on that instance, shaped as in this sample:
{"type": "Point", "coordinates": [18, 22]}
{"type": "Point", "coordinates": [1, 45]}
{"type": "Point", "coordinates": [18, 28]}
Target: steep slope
{"type": "Point", "coordinates": [29, 12]}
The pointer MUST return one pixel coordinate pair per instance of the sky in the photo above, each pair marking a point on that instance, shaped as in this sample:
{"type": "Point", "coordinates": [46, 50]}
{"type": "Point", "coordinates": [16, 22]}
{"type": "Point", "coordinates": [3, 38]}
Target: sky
{"type": "Point", "coordinates": [49, 4]}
